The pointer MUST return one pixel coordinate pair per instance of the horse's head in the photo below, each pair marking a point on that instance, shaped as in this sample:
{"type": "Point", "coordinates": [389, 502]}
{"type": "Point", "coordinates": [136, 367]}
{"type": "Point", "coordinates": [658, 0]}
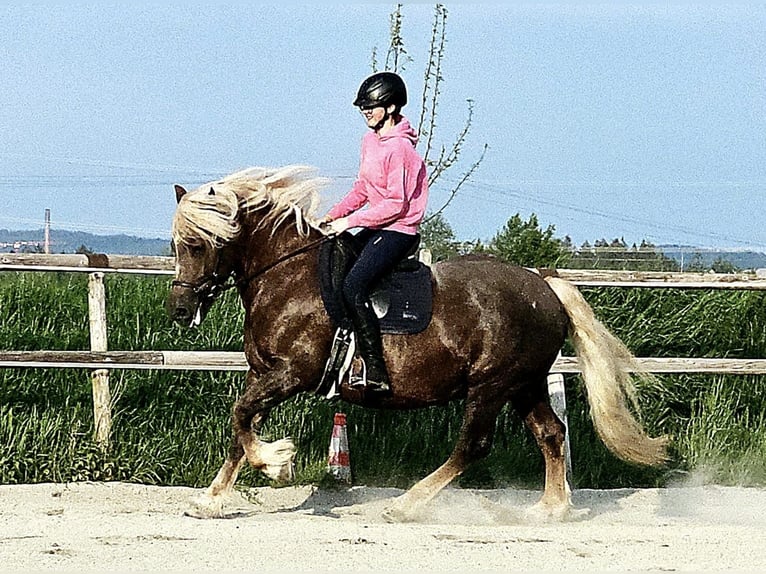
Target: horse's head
{"type": "Point", "coordinates": [208, 223]}
{"type": "Point", "coordinates": [203, 222]}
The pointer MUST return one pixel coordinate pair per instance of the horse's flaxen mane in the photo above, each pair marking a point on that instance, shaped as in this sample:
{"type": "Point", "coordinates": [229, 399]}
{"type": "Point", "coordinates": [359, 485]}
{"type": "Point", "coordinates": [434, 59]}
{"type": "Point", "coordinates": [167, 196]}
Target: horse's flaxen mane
{"type": "Point", "coordinates": [211, 213]}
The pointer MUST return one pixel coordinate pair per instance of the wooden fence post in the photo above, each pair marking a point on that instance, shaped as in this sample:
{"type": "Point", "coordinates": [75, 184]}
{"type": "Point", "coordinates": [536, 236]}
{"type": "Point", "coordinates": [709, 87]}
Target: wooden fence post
{"type": "Point", "coordinates": [557, 394]}
{"type": "Point", "coordinates": [102, 408]}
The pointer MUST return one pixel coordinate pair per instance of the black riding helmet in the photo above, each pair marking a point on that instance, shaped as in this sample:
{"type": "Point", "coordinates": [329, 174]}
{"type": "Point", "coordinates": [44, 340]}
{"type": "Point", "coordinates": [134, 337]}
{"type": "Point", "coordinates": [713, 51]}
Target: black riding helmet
{"type": "Point", "coordinates": [382, 89]}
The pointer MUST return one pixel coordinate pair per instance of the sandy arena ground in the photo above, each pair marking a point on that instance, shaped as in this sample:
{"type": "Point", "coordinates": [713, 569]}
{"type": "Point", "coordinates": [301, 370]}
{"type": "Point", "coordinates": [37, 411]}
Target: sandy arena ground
{"type": "Point", "coordinates": [108, 527]}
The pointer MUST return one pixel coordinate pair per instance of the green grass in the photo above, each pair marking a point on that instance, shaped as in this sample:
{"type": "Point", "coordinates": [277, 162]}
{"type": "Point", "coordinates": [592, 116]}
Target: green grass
{"type": "Point", "coordinates": [172, 427]}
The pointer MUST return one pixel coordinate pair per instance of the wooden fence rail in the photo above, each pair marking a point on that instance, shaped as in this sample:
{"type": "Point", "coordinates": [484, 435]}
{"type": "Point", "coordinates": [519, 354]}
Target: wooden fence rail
{"type": "Point", "coordinates": [153, 265]}
{"type": "Point", "coordinates": [235, 361]}
{"type": "Point", "coordinates": [75, 262]}
{"type": "Point", "coordinates": [101, 360]}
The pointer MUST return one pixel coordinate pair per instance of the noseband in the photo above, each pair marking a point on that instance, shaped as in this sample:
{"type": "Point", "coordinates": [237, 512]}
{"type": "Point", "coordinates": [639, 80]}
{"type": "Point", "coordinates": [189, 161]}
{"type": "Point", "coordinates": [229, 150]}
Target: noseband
{"type": "Point", "coordinates": [209, 287]}
{"type": "Point", "coordinates": [213, 285]}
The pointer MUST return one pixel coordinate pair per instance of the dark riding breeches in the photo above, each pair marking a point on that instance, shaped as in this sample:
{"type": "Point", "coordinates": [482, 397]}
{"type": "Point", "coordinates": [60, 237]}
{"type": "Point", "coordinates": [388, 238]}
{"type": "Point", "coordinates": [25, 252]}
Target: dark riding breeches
{"type": "Point", "coordinates": [382, 251]}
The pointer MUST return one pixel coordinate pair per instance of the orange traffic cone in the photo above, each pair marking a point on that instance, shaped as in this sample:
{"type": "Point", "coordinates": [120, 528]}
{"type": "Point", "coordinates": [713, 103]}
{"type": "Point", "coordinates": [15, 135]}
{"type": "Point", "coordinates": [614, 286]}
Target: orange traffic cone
{"type": "Point", "coordinates": [339, 461]}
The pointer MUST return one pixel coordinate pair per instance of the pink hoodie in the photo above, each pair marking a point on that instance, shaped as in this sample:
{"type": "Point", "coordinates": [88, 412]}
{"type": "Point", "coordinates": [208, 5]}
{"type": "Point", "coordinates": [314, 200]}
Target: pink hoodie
{"type": "Point", "coordinates": [392, 181]}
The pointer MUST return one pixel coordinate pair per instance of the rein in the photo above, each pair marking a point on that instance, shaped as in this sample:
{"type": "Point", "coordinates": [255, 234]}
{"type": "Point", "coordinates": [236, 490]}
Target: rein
{"type": "Point", "coordinates": [213, 286]}
{"type": "Point", "coordinates": [308, 247]}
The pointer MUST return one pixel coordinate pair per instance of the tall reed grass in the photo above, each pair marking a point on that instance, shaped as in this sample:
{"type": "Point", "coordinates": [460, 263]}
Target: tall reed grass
{"type": "Point", "coordinates": [172, 427]}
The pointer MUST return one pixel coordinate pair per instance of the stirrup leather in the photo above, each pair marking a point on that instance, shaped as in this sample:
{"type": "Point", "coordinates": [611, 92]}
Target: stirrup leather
{"type": "Point", "coordinates": [341, 354]}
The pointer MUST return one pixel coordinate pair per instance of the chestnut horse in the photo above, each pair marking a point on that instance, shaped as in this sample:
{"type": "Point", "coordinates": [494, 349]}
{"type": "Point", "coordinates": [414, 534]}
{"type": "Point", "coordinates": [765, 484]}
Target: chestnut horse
{"type": "Point", "coordinates": [496, 331]}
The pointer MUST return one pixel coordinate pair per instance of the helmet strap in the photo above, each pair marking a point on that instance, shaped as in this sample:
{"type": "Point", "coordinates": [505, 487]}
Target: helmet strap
{"type": "Point", "coordinates": [377, 127]}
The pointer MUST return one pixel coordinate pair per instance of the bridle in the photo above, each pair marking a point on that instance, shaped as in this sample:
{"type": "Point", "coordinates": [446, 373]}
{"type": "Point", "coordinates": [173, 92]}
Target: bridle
{"type": "Point", "coordinates": [208, 287]}
{"type": "Point", "coordinates": [213, 285]}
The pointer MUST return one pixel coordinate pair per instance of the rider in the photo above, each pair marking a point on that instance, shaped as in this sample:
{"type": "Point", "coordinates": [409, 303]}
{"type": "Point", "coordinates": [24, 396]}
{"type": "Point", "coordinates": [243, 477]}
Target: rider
{"type": "Point", "coordinates": [393, 184]}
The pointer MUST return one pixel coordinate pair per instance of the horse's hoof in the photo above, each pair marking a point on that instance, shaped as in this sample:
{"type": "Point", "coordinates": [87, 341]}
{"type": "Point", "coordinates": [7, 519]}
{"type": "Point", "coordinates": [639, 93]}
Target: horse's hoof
{"type": "Point", "coordinates": [282, 474]}
{"type": "Point", "coordinates": [395, 516]}
{"type": "Point", "coordinates": [194, 512]}
{"type": "Point", "coordinates": [578, 514]}
{"type": "Point", "coordinates": [542, 512]}
{"type": "Point", "coordinates": [205, 506]}
{"type": "Point", "coordinates": [399, 512]}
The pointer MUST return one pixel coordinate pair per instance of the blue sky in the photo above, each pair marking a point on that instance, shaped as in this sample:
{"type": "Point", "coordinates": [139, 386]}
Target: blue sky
{"type": "Point", "coordinates": [645, 121]}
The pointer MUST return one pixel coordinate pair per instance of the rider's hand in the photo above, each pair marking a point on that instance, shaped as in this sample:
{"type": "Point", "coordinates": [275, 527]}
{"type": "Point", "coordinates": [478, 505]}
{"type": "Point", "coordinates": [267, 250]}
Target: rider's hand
{"type": "Point", "coordinates": [338, 226]}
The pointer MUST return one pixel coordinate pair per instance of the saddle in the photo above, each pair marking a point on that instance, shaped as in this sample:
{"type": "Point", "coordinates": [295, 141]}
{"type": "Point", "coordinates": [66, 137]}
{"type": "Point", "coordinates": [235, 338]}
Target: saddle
{"type": "Point", "coordinates": [402, 301]}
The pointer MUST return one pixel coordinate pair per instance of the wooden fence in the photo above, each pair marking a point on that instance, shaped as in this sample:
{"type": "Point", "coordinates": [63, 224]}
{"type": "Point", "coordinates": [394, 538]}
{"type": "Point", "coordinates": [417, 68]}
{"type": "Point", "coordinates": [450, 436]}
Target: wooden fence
{"type": "Point", "coordinates": [102, 360]}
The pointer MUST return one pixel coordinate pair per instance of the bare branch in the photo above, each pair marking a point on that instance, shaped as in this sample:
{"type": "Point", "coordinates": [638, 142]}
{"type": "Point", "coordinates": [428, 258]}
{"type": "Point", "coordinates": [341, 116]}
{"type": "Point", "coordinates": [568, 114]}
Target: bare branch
{"type": "Point", "coordinates": [445, 163]}
{"type": "Point", "coordinates": [466, 177]}
{"type": "Point", "coordinates": [397, 56]}
{"type": "Point", "coordinates": [436, 56]}
{"type": "Point", "coordinates": [424, 109]}
{"type": "Point", "coordinates": [429, 102]}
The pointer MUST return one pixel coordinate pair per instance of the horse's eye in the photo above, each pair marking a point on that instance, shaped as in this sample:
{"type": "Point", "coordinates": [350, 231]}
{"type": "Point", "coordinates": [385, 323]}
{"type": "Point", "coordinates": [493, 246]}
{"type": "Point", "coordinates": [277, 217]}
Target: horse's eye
{"type": "Point", "coordinates": [197, 249]}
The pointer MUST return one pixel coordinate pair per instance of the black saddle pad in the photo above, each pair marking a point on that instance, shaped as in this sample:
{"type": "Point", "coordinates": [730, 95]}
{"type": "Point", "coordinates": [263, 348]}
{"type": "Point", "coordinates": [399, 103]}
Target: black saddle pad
{"type": "Point", "coordinates": [402, 300]}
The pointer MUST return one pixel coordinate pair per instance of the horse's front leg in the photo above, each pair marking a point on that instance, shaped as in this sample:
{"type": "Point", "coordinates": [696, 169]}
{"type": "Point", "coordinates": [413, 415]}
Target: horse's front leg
{"type": "Point", "coordinates": [248, 415]}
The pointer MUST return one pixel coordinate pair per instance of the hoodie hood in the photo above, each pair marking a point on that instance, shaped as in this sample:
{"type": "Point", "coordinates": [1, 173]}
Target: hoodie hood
{"type": "Point", "coordinates": [402, 130]}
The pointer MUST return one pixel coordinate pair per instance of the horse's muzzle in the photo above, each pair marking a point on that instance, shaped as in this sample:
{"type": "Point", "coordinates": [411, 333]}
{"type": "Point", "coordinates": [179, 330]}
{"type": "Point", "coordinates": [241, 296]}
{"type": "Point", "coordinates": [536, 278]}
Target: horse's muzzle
{"type": "Point", "coordinates": [186, 308]}
{"type": "Point", "coordinates": [182, 315]}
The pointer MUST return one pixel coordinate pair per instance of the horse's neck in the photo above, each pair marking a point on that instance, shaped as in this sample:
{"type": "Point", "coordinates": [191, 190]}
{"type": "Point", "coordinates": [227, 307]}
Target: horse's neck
{"type": "Point", "coordinates": [265, 247]}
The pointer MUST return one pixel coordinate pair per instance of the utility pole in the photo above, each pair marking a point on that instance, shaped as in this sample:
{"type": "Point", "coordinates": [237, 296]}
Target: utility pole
{"type": "Point", "coordinates": [47, 244]}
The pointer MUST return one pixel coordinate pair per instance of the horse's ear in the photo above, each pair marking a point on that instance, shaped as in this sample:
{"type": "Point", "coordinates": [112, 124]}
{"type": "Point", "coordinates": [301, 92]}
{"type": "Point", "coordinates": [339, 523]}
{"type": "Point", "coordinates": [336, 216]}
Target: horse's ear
{"type": "Point", "coordinates": [180, 192]}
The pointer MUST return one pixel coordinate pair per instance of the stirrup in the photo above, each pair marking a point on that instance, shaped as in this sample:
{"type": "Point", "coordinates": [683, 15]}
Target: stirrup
{"type": "Point", "coordinates": [357, 374]}
{"type": "Point", "coordinates": [357, 377]}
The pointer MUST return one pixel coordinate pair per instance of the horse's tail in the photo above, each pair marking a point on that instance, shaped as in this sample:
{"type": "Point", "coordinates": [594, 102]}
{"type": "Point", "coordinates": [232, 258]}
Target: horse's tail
{"type": "Point", "coordinates": [606, 365]}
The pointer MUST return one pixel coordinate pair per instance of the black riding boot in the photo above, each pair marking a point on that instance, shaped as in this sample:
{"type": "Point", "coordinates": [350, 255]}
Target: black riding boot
{"type": "Point", "coordinates": [370, 346]}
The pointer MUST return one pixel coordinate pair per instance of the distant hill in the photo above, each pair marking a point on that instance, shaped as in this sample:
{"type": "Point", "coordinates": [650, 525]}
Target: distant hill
{"type": "Point", "coordinates": [743, 260]}
{"type": "Point", "coordinates": [70, 241]}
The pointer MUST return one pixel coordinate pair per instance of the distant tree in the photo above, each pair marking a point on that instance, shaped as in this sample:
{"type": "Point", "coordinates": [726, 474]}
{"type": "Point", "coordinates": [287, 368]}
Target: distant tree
{"type": "Point", "coordinates": [721, 265]}
{"type": "Point", "coordinates": [471, 246]}
{"type": "Point", "coordinates": [525, 243]}
{"type": "Point", "coordinates": [616, 254]}
{"type": "Point", "coordinates": [32, 248]}
{"type": "Point", "coordinates": [611, 254]}
{"type": "Point", "coordinates": [83, 250]}
{"type": "Point", "coordinates": [701, 264]}
{"type": "Point", "coordinates": [696, 264]}
{"type": "Point", "coordinates": [647, 257]}
{"type": "Point", "coordinates": [437, 236]}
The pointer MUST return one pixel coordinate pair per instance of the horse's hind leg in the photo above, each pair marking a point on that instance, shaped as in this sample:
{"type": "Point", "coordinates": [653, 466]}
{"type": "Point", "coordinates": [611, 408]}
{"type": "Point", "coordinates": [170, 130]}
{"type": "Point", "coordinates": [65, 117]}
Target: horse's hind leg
{"type": "Point", "coordinates": [549, 432]}
{"type": "Point", "coordinates": [474, 443]}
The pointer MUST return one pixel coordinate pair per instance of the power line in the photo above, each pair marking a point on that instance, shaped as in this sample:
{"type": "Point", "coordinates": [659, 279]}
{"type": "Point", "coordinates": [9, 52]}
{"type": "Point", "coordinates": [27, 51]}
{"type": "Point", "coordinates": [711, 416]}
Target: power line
{"type": "Point", "coordinates": [90, 227]}
{"type": "Point", "coordinates": [111, 164]}
{"type": "Point", "coordinates": [161, 175]}
{"type": "Point", "coordinates": [504, 192]}
{"type": "Point", "coordinates": [627, 183]}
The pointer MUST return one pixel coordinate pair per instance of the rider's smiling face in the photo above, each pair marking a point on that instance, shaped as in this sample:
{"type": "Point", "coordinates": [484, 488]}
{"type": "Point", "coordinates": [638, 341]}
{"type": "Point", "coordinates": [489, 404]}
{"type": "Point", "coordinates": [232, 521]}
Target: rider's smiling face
{"type": "Point", "coordinates": [375, 115]}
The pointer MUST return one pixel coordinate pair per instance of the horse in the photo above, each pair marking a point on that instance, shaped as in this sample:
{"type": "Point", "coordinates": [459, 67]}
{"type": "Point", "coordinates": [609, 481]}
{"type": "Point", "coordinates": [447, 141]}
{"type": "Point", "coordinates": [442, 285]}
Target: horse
{"type": "Point", "coordinates": [496, 330]}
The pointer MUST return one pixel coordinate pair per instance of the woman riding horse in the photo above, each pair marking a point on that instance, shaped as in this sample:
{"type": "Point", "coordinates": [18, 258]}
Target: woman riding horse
{"type": "Point", "coordinates": [393, 182]}
{"type": "Point", "coordinates": [495, 332]}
